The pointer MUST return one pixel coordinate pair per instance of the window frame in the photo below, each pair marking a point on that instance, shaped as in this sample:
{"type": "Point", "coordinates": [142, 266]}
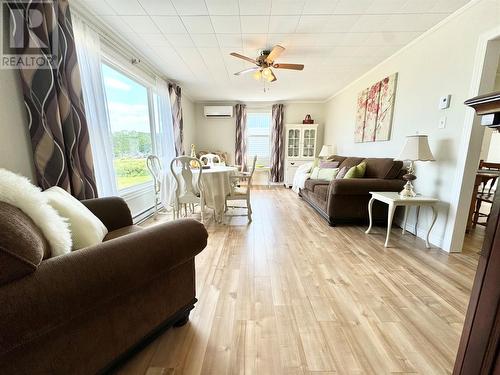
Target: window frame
{"type": "Point", "coordinates": [140, 78]}
{"type": "Point", "coordinates": [266, 111]}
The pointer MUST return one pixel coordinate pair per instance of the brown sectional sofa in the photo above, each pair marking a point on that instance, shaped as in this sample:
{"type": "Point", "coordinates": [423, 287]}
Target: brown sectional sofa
{"type": "Point", "coordinates": [84, 312]}
{"type": "Point", "coordinates": [346, 200]}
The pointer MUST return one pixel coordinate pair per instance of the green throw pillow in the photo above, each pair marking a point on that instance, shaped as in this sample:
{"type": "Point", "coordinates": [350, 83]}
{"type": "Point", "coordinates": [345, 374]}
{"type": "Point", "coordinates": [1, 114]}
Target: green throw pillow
{"type": "Point", "coordinates": [326, 174]}
{"type": "Point", "coordinates": [358, 171]}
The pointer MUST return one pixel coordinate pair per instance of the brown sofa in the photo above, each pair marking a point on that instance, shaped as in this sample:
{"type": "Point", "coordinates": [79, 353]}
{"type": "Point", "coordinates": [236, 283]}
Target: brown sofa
{"type": "Point", "coordinates": [86, 311]}
{"type": "Point", "coordinates": [346, 200]}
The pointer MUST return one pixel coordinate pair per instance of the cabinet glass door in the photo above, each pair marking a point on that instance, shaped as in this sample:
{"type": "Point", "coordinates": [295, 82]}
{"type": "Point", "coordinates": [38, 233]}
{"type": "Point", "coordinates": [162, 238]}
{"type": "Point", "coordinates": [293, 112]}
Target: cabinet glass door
{"type": "Point", "coordinates": [309, 143]}
{"type": "Point", "coordinates": [293, 143]}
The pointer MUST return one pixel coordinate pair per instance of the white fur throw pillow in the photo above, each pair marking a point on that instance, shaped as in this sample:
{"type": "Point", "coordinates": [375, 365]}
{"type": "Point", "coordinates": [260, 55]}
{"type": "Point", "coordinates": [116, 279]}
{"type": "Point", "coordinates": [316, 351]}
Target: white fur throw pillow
{"type": "Point", "coordinates": [86, 229]}
{"type": "Point", "coordinates": [19, 192]}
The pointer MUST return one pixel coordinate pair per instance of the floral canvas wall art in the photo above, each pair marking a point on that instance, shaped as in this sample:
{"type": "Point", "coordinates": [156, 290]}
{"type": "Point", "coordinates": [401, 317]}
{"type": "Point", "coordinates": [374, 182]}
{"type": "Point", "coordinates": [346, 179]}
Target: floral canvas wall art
{"type": "Point", "coordinates": [375, 110]}
{"type": "Point", "coordinates": [360, 116]}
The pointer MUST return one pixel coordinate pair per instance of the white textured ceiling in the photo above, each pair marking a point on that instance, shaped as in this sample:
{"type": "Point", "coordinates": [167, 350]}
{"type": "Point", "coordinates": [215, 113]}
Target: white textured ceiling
{"type": "Point", "coordinates": [337, 40]}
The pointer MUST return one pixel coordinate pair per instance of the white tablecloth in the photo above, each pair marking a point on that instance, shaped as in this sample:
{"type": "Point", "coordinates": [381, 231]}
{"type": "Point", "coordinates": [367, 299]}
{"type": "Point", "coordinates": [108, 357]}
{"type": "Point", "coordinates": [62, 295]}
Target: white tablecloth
{"type": "Point", "coordinates": [216, 185]}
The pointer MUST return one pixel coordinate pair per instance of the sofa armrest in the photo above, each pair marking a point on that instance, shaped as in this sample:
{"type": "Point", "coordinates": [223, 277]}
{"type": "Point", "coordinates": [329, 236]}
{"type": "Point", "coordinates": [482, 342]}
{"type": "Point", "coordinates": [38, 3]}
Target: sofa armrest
{"type": "Point", "coordinates": [363, 186]}
{"type": "Point", "coordinates": [112, 211]}
{"type": "Point", "coordinates": [66, 286]}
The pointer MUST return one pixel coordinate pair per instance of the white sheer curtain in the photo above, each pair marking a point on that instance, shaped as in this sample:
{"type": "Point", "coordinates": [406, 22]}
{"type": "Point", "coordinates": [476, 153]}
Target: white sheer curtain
{"type": "Point", "coordinates": [164, 138]}
{"type": "Point", "coordinates": [88, 50]}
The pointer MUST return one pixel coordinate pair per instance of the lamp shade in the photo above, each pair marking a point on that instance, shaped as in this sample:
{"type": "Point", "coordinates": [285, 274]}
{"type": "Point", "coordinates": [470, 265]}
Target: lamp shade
{"type": "Point", "coordinates": [326, 150]}
{"type": "Point", "coordinates": [416, 148]}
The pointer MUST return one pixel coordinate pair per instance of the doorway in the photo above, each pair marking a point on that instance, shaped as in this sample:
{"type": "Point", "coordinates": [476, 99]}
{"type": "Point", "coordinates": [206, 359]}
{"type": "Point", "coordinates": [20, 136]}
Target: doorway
{"type": "Point", "coordinates": [483, 81]}
{"type": "Point", "coordinates": [486, 183]}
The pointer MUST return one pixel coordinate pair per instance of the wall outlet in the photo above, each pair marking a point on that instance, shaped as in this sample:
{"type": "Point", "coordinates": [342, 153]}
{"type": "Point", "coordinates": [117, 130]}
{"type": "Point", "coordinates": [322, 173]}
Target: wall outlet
{"type": "Point", "coordinates": [444, 102]}
{"type": "Point", "coordinates": [442, 122]}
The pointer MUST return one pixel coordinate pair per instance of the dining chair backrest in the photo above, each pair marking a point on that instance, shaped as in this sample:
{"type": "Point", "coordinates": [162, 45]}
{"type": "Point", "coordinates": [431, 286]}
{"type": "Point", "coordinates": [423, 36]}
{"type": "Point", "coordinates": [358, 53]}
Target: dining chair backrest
{"type": "Point", "coordinates": [154, 166]}
{"type": "Point", "coordinates": [488, 184]}
{"type": "Point", "coordinates": [254, 163]}
{"type": "Point", "coordinates": [211, 159]}
{"type": "Point", "coordinates": [184, 177]}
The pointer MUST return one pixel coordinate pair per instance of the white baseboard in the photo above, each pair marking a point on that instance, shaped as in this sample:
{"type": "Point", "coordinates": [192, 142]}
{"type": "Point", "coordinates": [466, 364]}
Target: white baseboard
{"type": "Point", "coordinates": [434, 239]}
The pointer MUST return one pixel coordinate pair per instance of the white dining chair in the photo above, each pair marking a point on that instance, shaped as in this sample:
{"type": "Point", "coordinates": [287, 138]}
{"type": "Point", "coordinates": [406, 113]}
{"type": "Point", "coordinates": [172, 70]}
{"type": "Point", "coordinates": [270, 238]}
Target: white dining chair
{"type": "Point", "coordinates": [211, 159]}
{"type": "Point", "coordinates": [154, 166]}
{"type": "Point", "coordinates": [187, 194]}
{"type": "Point", "coordinates": [239, 192]}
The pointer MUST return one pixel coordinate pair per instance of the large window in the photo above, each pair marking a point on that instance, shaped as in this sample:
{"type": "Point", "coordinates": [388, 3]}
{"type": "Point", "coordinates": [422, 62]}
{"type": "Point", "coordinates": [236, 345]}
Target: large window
{"type": "Point", "coordinates": [259, 137]}
{"type": "Point", "coordinates": [129, 115]}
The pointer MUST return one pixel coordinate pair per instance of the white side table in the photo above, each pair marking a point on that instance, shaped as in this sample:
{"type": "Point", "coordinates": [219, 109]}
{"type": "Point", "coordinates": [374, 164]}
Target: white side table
{"type": "Point", "coordinates": [393, 200]}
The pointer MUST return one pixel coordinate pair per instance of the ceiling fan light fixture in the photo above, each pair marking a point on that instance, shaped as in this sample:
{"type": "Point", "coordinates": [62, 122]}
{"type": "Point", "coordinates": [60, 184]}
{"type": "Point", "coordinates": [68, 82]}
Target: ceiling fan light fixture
{"type": "Point", "coordinates": [267, 73]}
{"type": "Point", "coordinates": [261, 71]}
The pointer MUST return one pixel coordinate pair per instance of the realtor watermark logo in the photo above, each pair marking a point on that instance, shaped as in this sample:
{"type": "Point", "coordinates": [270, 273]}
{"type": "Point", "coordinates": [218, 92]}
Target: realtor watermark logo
{"type": "Point", "coordinates": [28, 40]}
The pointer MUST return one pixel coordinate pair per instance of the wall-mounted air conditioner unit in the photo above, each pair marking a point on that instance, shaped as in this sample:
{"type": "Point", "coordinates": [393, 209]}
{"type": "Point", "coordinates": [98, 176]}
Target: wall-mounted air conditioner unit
{"type": "Point", "coordinates": [218, 111]}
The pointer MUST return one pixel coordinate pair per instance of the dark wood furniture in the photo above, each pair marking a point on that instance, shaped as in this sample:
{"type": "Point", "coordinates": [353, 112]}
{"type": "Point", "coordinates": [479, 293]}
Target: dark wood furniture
{"type": "Point", "coordinates": [483, 192]}
{"type": "Point", "coordinates": [479, 345]}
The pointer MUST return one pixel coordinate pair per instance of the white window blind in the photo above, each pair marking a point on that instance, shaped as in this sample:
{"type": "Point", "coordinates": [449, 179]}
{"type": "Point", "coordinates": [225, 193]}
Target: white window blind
{"type": "Point", "coordinates": [259, 137]}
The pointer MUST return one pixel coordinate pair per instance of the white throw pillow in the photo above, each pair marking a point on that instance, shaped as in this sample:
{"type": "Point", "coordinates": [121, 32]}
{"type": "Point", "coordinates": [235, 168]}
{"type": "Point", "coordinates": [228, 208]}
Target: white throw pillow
{"type": "Point", "coordinates": [19, 192]}
{"type": "Point", "coordinates": [86, 229]}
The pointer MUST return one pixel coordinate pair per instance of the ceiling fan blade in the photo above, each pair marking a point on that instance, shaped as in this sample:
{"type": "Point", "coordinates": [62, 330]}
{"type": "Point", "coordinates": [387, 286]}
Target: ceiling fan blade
{"type": "Point", "coordinates": [244, 71]}
{"type": "Point", "coordinates": [289, 66]}
{"type": "Point", "coordinates": [243, 57]}
{"type": "Point", "coordinates": [277, 50]}
{"type": "Point", "coordinates": [274, 77]}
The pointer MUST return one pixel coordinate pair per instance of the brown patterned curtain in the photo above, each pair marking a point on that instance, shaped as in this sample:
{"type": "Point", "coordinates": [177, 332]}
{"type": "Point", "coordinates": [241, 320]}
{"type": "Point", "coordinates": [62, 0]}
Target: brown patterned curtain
{"type": "Point", "coordinates": [241, 135]}
{"type": "Point", "coordinates": [277, 144]}
{"type": "Point", "coordinates": [175, 103]}
{"type": "Point", "coordinates": [53, 98]}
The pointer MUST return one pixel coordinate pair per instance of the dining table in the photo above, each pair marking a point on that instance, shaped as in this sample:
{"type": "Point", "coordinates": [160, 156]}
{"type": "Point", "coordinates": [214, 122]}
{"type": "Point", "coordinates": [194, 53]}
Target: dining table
{"type": "Point", "coordinates": [215, 184]}
{"type": "Point", "coordinates": [482, 177]}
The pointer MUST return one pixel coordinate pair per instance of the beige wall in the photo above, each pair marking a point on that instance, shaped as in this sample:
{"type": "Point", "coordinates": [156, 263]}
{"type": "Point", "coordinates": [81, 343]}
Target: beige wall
{"type": "Point", "coordinates": [219, 134]}
{"type": "Point", "coordinates": [15, 145]}
{"type": "Point", "coordinates": [214, 134]}
{"type": "Point", "coordinates": [440, 63]}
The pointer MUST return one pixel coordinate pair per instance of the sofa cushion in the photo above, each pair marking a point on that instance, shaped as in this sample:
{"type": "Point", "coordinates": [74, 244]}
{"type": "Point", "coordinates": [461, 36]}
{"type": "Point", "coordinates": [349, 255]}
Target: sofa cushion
{"type": "Point", "coordinates": [311, 184]}
{"type": "Point", "coordinates": [350, 162]}
{"type": "Point", "coordinates": [86, 229]}
{"type": "Point", "coordinates": [122, 232]}
{"type": "Point", "coordinates": [22, 244]}
{"type": "Point", "coordinates": [321, 191]}
{"type": "Point", "coordinates": [338, 158]}
{"type": "Point", "coordinates": [382, 167]}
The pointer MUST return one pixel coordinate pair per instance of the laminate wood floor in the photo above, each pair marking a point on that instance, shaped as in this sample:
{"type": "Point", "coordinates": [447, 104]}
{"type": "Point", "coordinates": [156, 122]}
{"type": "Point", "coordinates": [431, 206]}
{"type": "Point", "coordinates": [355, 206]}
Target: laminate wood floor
{"type": "Point", "coordinates": [287, 294]}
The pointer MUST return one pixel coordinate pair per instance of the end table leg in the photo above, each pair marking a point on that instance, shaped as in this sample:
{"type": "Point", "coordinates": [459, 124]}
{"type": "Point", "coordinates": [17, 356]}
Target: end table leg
{"type": "Point", "coordinates": [434, 217]}
{"type": "Point", "coordinates": [390, 216]}
{"type": "Point", "coordinates": [416, 221]}
{"type": "Point", "coordinates": [405, 219]}
{"type": "Point", "coordinates": [370, 205]}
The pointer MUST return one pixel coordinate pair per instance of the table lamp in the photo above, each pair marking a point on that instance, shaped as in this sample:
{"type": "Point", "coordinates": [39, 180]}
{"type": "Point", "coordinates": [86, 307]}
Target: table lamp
{"type": "Point", "coordinates": [326, 151]}
{"type": "Point", "coordinates": [416, 148]}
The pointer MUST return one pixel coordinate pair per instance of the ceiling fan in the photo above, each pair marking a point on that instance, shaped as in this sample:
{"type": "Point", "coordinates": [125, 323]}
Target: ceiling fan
{"type": "Point", "coordinates": [264, 63]}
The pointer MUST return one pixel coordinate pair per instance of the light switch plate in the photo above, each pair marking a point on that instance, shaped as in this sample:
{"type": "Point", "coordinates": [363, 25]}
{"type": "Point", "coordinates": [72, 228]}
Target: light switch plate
{"type": "Point", "coordinates": [444, 102]}
{"type": "Point", "coordinates": [442, 122]}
